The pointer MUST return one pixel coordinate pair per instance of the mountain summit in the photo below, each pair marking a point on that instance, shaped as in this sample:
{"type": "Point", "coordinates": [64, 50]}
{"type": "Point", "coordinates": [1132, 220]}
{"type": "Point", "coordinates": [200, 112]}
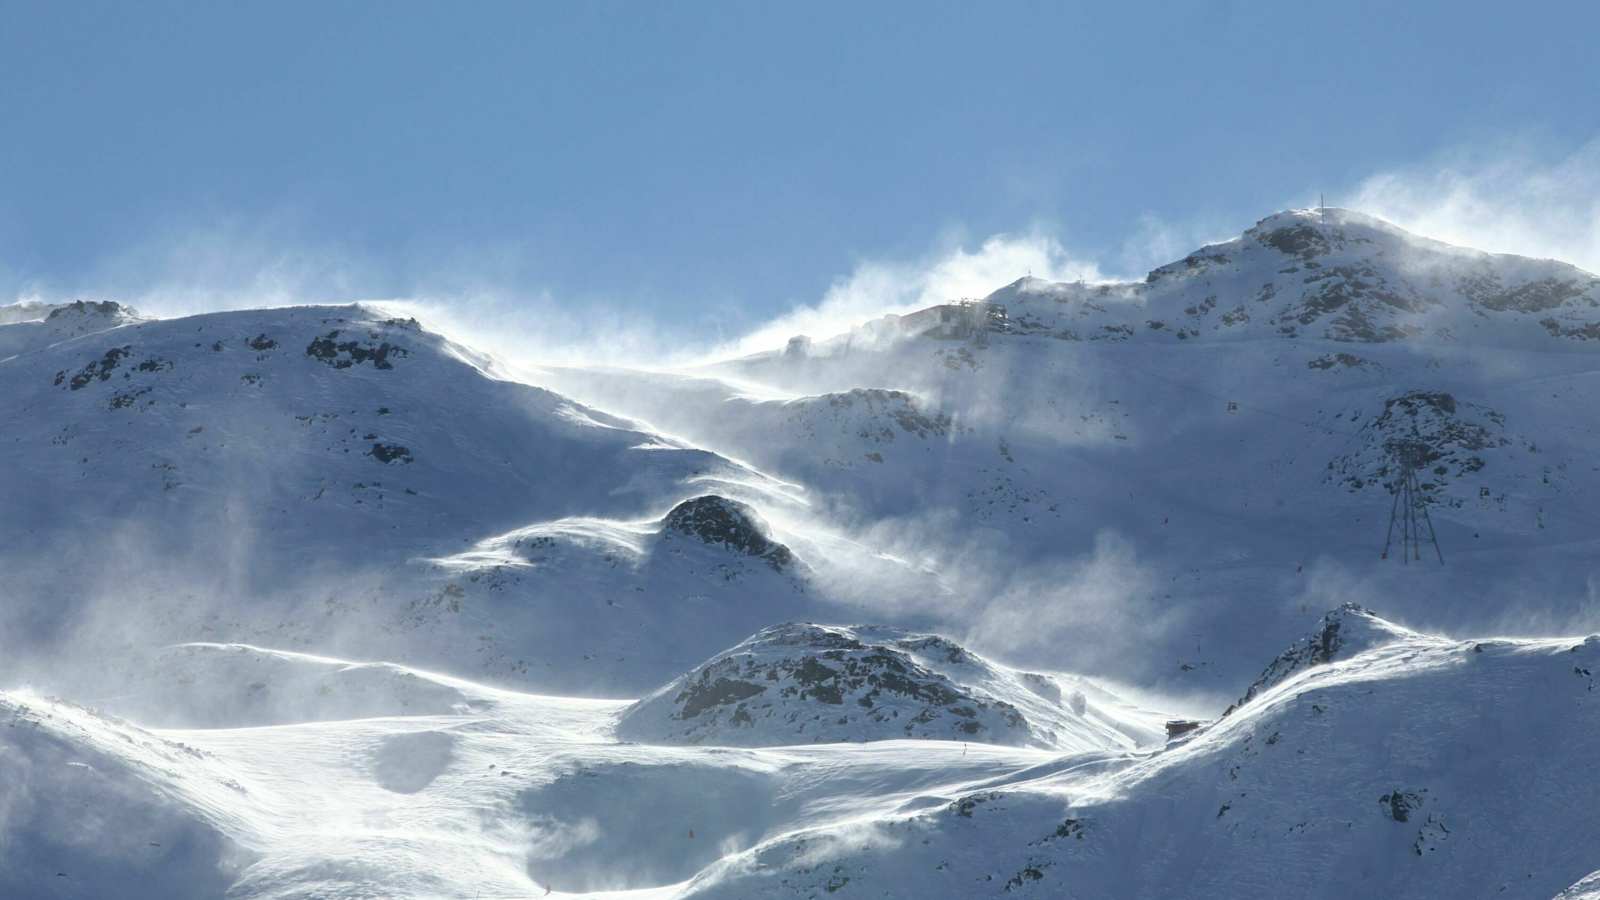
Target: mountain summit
{"type": "Point", "coordinates": [1334, 274]}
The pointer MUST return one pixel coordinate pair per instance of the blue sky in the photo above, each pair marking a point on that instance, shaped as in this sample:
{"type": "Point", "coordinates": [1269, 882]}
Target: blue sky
{"type": "Point", "coordinates": [710, 166]}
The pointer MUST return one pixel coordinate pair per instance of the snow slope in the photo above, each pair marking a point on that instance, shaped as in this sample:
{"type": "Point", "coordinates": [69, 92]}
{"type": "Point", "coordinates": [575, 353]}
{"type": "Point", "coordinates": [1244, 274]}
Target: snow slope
{"type": "Point", "coordinates": [331, 479]}
{"type": "Point", "coordinates": [205, 520]}
{"type": "Point", "coordinates": [1190, 466]}
{"type": "Point", "coordinates": [1408, 765]}
{"type": "Point", "coordinates": [501, 795]}
{"type": "Point", "coordinates": [1418, 768]}
{"type": "Point", "coordinates": [95, 807]}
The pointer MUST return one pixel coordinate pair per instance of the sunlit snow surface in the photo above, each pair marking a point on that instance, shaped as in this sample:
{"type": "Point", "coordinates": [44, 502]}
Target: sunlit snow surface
{"type": "Point", "coordinates": [902, 612]}
{"type": "Point", "coordinates": [1416, 767]}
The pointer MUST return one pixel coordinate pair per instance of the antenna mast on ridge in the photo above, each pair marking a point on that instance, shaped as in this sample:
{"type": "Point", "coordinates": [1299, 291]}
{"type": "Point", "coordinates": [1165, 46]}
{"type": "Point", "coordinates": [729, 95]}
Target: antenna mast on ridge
{"type": "Point", "coordinates": [1408, 503]}
{"type": "Point", "coordinates": [1322, 206]}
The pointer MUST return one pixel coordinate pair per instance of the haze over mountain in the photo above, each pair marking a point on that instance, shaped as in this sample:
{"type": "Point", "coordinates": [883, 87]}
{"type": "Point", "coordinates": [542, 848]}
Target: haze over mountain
{"type": "Point", "coordinates": [899, 612]}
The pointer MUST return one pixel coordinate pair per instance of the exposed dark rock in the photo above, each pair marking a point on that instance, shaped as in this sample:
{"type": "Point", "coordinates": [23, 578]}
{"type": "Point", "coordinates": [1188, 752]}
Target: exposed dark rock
{"type": "Point", "coordinates": [1028, 873]}
{"type": "Point", "coordinates": [1330, 360]}
{"type": "Point", "coordinates": [1585, 331]}
{"type": "Point", "coordinates": [86, 307]}
{"type": "Point", "coordinates": [1443, 437]}
{"type": "Point", "coordinates": [964, 806]}
{"type": "Point", "coordinates": [1302, 240]}
{"type": "Point", "coordinates": [344, 354]}
{"type": "Point", "coordinates": [1535, 296]}
{"type": "Point", "coordinates": [1398, 805]}
{"type": "Point", "coordinates": [99, 369]}
{"type": "Point", "coordinates": [728, 523]}
{"type": "Point", "coordinates": [706, 693]}
{"type": "Point", "coordinates": [389, 453]}
{"type": "Point", "coordinates": [124, 399]}
{"type": "Point", "coordinates": [1071, 828]}
{"type": "Point", "coordinates": [1322, 646]}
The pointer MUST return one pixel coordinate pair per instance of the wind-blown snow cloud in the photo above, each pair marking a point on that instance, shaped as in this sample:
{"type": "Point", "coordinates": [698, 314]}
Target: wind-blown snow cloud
{"type": "Point", "coordinates": [1513, 200]}
{"type": "Point", "coordinates": [952, 273]}
{"type": "Point", "coordinates": [1157, 241]}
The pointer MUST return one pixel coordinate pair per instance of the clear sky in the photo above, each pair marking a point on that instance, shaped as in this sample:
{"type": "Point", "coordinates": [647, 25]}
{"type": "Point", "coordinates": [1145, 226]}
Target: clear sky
{"type": "Point", "coordinates": [712, 165]}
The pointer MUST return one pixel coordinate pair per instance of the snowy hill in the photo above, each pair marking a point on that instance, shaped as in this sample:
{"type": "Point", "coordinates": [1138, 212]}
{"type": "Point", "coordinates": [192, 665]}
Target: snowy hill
{"type": "Point", "coordinates": [800, 683]}
{"type": "Point", "coordinates": [1377, 774]}
{"type": "Point", "coordinates": [295, 471]}
{"type": "Point", "coordinates": [370, 419]}
{"type": "Point", "coordinates": [604, 606]}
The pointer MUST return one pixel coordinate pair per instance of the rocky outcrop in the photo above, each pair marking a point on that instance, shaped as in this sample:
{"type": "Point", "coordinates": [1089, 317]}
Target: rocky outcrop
{"type": "Point", "coordinates": [728, 523]}
{"type": "Point", "coordinates": [1445, 438]}
{"type": "Point", "coordinates": [342, 354]}
{"type": "Point", "coordinates": [801, 683]}
{"type": "Point", "coordinates": [1332, 274]}
{"type": "Point", "coordinates": [1344, 632]}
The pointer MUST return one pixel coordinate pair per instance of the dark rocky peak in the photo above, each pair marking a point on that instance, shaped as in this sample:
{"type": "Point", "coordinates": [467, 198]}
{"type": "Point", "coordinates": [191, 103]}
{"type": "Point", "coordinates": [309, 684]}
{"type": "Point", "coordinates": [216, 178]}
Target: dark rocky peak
{"type": "Point", "coordinates": [1310, 233]}
{"type": "Point", "coordinates": [89, 308]}
{"type": "Point", "coordinates": [1344, 632]}
{"type": "Point", "coordinates": [721, 522]}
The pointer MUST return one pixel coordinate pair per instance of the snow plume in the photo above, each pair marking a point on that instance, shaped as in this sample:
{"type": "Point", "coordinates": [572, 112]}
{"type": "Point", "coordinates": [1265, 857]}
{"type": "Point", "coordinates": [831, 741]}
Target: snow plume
{"type": "Point", "coordinates": [953, 272]}
{"type": "Point", "coordinates": [1099, 604]}
{"type": "Point", "coordinates": [486, 297]}
{"type": "Point", "coordinates": [76, 630]}
{"type": "Point", "coordinates": [1426, 597]}
{"type": "Point", "coordinates": [221, 265]}
{"type": "Point", "coordinates": [1157, 241]}
{"type": "Point", "coordinates": [1515, 199]}
{"type": "Point", "coordinates": [1090, 609]}
{"type": "Point", "coordinates": [533, 329]}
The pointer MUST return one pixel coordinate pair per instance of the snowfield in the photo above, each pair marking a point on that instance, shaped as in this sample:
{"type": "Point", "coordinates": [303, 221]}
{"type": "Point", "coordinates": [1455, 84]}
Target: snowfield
{"type": "Point", "coordinates": [1397, 763]}
{"type": "Point", "coordinates": [315, 602]}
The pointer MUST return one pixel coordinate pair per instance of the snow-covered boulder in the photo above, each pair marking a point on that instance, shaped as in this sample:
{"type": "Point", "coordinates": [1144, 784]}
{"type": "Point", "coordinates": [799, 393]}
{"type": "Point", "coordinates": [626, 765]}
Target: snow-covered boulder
{"type": "Point", "coordinates": [802, 683]}
{"type": "Point", "coordinates": [719, 521]}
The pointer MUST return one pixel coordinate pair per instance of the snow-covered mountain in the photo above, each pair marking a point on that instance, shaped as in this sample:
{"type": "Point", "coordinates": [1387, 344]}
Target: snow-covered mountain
{"type": "Point", "coordinates": [1332, 274]}
{"type": "Point", "coordinates": [317, 602]}
{"type": "Point", "coordinates": [1192, 465]}
{"type": "Point", "coordinates": [329, 477]}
